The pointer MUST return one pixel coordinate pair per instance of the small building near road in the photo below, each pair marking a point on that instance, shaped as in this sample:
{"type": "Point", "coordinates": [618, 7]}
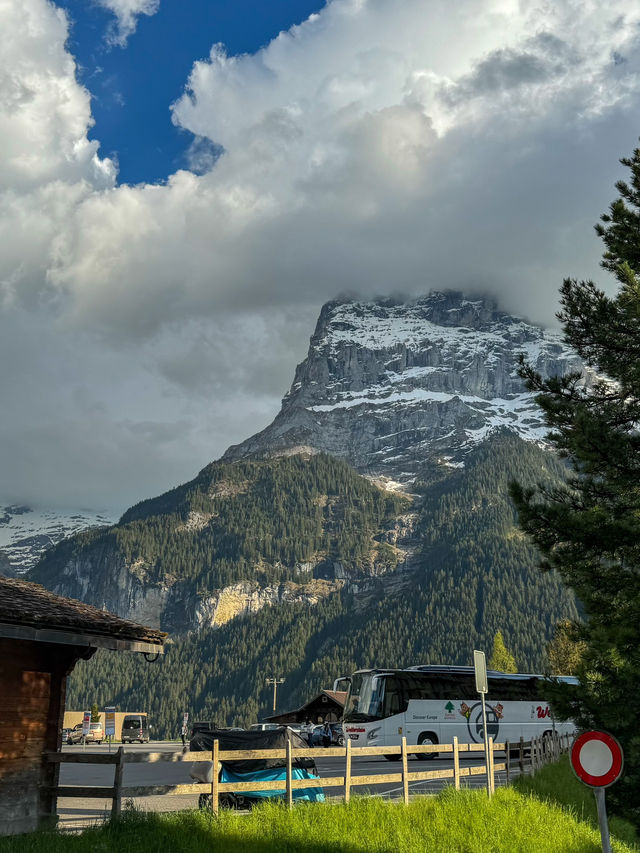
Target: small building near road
{"type": "Point", "coordinates": [327, 707]}
{"type": "Point", "coordinates": [42, 636]}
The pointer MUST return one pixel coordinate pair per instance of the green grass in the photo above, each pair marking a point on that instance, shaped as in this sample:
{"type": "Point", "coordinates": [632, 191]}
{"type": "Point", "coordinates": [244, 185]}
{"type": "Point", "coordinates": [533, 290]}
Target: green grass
{"type": "Point", "coordinates": [462, 822]}
{"type": "Point", "coordinates": [556, 783]}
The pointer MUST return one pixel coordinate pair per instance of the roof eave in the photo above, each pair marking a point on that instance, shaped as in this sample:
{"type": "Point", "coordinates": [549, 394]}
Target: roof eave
{"type": "Point", "coordinates": [85, 639]}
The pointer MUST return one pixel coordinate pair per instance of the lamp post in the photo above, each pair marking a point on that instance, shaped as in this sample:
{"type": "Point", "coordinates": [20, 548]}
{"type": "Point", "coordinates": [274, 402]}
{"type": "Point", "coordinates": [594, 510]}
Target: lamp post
{"type": "Point", "coordinates": [275, 682]}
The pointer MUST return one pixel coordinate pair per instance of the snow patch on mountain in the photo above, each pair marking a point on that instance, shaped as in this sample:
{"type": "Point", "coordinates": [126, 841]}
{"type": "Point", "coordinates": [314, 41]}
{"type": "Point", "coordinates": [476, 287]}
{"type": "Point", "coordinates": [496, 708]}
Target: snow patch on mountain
{"type": "Point", "coordinates": [26, 533]}
{"type": "Point", "coordinates": [389, 383]}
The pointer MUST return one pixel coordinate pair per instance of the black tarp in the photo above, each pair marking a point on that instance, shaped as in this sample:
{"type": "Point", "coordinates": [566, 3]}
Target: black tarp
{"type": "Point", "coordinates": [202, 741]}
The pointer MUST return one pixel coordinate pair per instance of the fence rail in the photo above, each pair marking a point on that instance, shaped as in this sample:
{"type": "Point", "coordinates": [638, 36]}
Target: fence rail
{"type": "Point", "coordinates": [525, 755]}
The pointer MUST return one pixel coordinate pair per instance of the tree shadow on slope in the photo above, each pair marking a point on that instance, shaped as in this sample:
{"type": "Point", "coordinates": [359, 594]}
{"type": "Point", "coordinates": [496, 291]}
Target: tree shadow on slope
{"type": "Point", "coordinates": [140, 832]}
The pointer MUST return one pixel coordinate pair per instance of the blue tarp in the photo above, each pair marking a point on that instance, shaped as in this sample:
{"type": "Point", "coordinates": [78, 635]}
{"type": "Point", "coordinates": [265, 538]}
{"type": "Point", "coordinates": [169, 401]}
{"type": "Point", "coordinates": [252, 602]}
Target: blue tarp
{"type": "Point", "coordinates": [313, 795]}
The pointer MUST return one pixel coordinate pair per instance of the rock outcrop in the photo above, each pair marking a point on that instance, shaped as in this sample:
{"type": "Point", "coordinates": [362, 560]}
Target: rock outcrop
{"type": "Point", "coordinates": [387, 385]}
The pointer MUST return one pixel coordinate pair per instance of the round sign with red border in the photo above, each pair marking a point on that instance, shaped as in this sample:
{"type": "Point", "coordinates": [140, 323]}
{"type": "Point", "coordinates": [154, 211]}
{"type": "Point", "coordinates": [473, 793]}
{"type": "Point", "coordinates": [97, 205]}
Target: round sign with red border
{"type": "Point", "coordinates": [597, 759]}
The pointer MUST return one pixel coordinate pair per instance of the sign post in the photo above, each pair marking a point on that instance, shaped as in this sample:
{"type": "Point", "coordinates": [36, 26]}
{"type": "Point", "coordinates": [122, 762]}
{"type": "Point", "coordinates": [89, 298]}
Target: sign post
{"type": "Point", "coordinates": [597, 760]}
{"type": "Point", "coordinates": [482, 686]}
{"type": "Point", "coordinates": [86, 727]}
{"type": "Point", "coordinates": [110, 723]}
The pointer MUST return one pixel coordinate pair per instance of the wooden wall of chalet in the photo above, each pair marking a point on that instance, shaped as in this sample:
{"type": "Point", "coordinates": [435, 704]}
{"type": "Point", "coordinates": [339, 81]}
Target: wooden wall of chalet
{"type": "Point", "coordinates": [32, 687]}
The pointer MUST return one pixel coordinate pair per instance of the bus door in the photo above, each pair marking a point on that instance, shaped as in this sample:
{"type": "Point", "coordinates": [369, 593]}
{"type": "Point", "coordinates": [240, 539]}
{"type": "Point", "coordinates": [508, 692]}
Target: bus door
{"type": "Point", "coordinates": [393, 707]}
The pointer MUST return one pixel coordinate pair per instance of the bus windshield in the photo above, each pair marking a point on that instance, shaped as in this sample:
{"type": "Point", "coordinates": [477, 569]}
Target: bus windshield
{"type": "Point", "coordinates": [364, 701]}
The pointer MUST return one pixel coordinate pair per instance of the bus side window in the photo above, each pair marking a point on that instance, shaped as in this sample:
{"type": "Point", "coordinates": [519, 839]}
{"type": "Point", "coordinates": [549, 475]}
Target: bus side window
{"type": "Point", "coordinates": [392, 702]}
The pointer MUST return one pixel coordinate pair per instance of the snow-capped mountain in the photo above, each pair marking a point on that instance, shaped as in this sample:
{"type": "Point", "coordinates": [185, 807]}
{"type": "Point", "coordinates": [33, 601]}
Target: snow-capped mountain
{"type": "Point", "coordinates": [26, 533]}
{"type": "Point", "coordinates": [390, 384]}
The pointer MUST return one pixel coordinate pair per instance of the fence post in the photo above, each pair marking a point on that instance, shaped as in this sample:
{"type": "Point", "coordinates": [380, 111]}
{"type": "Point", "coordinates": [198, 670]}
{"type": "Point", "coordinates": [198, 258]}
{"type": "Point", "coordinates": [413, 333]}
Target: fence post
{"type": "Point", "coordinates": [347, 771]}
{"type": "Point", "coordinates": [116, 804]}
{"type": "Point", "coordinates": [532, 755]}
{"type": "Point", "coordinates": [456, 764]}
{"type": "Point", "coordinates": [289, 771]}
{"type": "Point", "coordinates": [507, 761]}
{"type": "Point", "coordinates": [215, 782]}
{"type": "Point", "coordinates": [492, 781]}
{"type": "Point", "coordinates": [405, 771]}
{"type": "Point", "coordinates": [521, 756]}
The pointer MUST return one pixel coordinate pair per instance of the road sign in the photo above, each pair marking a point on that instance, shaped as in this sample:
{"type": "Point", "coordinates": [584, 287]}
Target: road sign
{"type": "Point", "coordinates": [482, 686]}
{"type": "Point", "coordinates": [86, 723]}
{"type": "Point", "coordinates": [110, 721]}
{"type": "Point", "coordinates": [597, 759]}
{"type": "Point", "coordinates": [480, 667]}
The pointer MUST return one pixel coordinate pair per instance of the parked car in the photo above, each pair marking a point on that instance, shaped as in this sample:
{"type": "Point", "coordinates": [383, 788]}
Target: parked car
{"type": "Point", "coordinates": [94, 735]}
{"type": "Point", "coordinates": [263, 727]}
{"type": "Point", "coordinates": [135, 727]}
{"type": "Point", "coordinates": [253, 770]}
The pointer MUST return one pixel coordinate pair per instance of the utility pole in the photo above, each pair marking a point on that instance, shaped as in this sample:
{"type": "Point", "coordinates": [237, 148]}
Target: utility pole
{"type": "Point", "coordinates": [275, 682]}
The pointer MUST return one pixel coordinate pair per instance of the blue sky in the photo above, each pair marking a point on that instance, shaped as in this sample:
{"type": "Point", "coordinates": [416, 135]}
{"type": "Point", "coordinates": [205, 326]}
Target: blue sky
{"type": "Point", "coordinates": [133, 85]}
{"type": "Point", "coordinates": [153, 309]}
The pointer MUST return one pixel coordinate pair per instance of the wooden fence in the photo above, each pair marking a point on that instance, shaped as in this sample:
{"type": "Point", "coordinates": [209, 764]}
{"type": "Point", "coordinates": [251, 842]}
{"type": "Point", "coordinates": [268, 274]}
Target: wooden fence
{"type": "Point", "coordinates": [525, 755]}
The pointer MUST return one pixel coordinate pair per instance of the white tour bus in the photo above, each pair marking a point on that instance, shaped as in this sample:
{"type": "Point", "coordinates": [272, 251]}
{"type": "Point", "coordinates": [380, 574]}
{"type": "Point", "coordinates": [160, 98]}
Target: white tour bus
{"type": "Point", "coordinates": [432, 704]}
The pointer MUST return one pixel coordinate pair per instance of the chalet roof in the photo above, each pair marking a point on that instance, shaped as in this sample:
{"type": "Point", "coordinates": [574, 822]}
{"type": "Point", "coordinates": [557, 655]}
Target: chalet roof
{"type": "Point", "coordinates": [339, 696]}
{"type": "Point", "coordinates": [29, 611]}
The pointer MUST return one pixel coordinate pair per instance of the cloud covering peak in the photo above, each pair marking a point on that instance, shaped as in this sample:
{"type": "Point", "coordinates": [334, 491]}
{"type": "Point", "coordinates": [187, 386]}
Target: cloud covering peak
{"type": "Point", "coordinates": [377, 146]}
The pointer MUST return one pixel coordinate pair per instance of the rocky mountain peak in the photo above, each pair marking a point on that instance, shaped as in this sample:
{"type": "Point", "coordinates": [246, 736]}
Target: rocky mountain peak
{"type": "Point", "coordinates": [391, 383]}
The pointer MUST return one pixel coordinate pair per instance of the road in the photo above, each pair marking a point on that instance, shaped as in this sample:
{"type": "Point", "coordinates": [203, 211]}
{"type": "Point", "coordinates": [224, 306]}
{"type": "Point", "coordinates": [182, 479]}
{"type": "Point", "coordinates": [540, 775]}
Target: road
{"type": "Point", "coordinates": [75, 812]}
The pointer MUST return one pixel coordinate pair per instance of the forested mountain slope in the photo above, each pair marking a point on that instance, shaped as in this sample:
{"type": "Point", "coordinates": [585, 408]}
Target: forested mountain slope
{"type": "Point", "coordinates": [474, 574]}
{"type": "Point", "coordinates": [240, 535]}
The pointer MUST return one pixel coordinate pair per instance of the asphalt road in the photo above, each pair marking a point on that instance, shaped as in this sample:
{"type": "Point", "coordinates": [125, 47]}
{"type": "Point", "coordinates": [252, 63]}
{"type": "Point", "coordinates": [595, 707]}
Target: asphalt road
{"type": "Point", "coordinates": [77, 812]}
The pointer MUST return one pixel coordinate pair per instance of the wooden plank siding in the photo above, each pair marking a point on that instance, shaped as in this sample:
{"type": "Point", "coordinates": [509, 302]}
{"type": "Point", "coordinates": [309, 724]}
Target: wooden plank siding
{"type": "Point", "coordinates": [32, 683]}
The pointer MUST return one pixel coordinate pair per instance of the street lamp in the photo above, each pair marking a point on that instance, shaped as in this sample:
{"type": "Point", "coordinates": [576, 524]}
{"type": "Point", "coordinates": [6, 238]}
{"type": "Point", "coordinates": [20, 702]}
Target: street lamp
{"type": "Point", "coordinates": [275, 682]}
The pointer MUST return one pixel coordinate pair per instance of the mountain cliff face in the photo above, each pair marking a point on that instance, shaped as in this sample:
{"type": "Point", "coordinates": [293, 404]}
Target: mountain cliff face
{"type": "Point", "coordinates": [391, 385]}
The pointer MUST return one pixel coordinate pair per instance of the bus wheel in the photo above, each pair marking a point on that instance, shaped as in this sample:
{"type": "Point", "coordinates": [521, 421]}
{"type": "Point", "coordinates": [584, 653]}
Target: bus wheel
{"type": "Point", "coordinates": [425, 739]}
{"type": "Point", "coordinates": [393, 757]}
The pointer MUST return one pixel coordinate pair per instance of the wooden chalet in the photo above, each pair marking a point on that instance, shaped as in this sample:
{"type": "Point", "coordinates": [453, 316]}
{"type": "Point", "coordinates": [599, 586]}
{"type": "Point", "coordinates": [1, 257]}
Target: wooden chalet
{"type": "Point", "coordinates": [42, 636]}
{"type": "Point", "coordinates": [327, 707]}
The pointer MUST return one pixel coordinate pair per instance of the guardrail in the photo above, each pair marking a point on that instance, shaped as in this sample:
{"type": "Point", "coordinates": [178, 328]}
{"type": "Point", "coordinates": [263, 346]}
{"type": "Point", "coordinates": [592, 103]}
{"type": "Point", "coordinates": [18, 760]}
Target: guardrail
{"type": "Point", "coordinates": [525, 755]}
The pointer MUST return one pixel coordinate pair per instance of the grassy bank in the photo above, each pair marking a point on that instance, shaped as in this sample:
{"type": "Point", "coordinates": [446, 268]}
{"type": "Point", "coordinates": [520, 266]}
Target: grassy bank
{"type": "Point", "coordinates": [558, 785]}
{"type": "Point", "coordinates": [464, 822]}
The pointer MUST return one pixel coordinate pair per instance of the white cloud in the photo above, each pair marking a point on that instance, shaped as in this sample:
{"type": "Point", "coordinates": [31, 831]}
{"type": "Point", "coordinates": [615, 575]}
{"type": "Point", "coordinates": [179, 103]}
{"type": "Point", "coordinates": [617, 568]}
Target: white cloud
{"type": "Point", "coordinates": [382, 145]}
{"type": "Point", "coordinates": [127, 13]}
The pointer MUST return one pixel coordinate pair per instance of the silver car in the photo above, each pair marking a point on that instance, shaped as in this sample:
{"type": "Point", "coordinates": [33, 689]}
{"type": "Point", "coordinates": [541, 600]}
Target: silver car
{"type": "Point", "coordinates": [95, 734]}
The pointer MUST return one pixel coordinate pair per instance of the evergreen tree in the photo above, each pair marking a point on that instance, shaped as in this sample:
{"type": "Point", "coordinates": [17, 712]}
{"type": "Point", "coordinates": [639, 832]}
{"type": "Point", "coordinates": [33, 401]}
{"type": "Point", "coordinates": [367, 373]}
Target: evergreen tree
{"type": "Point", "coordinates": [565, 651]}
{"type": "Point", "coordinates": [501, 658]}
{"type": "Point", "coordinates": [95, 713]}
{"type": "Point", "coordinates": [589, 529]}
